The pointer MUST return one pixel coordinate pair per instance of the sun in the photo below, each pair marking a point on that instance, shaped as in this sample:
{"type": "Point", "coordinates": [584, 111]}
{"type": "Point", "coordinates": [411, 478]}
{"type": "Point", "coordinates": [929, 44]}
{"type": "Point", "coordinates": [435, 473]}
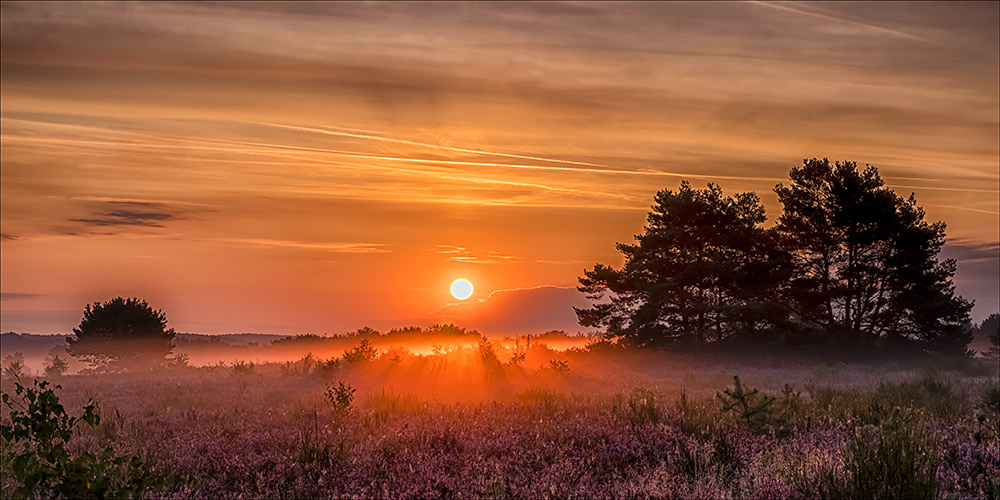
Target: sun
{"type": "Point", "coordinates": [461, 289]}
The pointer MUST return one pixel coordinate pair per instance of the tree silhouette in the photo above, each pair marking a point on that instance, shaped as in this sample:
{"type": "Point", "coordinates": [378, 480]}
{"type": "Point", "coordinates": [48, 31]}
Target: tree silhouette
{"type": "Point", "coordinates": [865, 260]}
{"type": "Point", "coordinates": [990, 327]}
{"type": "Point", "coordinates": [848, 259]}
{"type": "Point", "coordinates": [699, 272]}
{"type": "Point", "coordinates": [122, 334]}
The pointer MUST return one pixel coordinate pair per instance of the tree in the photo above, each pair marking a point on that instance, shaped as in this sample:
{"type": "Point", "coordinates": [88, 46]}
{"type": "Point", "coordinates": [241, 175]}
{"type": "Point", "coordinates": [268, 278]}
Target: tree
{"type": "Point", "coordinates": [990, 328]}
{"type": "Point", "coordinates": [56, 365]}
{"type": "Point", "coordinates": [122, 334]}
{"type": "Point", "coordinates": [865, 261]}
{"type": "Point", "coordinates": [700, 272]}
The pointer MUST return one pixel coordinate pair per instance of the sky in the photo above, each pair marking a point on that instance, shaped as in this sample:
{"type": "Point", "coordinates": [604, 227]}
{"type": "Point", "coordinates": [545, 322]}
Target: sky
{"type": "Point", "coordinates": [319, 167]}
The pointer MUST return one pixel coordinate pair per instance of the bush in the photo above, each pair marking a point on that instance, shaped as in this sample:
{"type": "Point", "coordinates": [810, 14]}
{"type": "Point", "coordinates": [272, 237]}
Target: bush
{"type": "Point", "coordinates": [13, 366]}
{"type": "Point", "coordinates": [242, 368]}
{"type": "Point", "coordinates": [301, 367]}
{"type": "Point", "coordinates": [516, 358]}
{"type": "Point", "coordinates": [327, 368]}
{"type": "Point", "coordinates": [56, 366]}
{"type": "Point", "coordinates": [362, 353]}
{"type": "Point", "coordinates": [341, 396]}
{"type": "Point", "coordinates": [560, 367]}
{"type": "Point", "coordinates": [752, 408]}
{"type": "Point", "coordinates": [34, 449]}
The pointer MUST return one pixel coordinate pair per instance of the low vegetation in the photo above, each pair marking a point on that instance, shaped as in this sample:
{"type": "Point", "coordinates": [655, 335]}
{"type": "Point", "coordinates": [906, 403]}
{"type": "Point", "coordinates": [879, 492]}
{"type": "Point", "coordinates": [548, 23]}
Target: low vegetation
{"type": "Point", "coordinates": [468, 422]}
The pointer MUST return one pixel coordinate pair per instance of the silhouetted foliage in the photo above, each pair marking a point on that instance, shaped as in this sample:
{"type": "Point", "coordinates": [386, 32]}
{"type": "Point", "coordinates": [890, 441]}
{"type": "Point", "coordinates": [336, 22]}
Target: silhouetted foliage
{"type": "Point", "coordinates": [36, 445]}
{"type": "Point", "coordinates": [702, 270]}
{"type": "Point", "coordinates": [990, 328]}
{"type": "Point", "coordinates": [122, 334]}
{"type": "Point", "coordinates": [13, 366]}
{"type": "Point", "coordinates": [848, 260]}
{"type": "Point", "coordinates": [308, 338]}
{"type": "Point", "coordinates": [362, 353]}
{"type": "Point", "coordinates": [866, 261]}
{"type": "Point", "coordinates": [55, 365]}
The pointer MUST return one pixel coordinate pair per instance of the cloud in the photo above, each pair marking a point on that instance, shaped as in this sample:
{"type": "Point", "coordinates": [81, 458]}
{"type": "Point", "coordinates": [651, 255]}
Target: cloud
{"type": "Point", "coordinates": [519, 311]}
{"type": "Point", "coordinates": [122, 213]}
{"type": "Point", "coordinates": [9, 237]}
{"type": "Point", "coordinates": [462, 254]}
{"type": "Point", "coordinates": [18, 296]}
{"type": "Point", "coordinates": [340, 247]}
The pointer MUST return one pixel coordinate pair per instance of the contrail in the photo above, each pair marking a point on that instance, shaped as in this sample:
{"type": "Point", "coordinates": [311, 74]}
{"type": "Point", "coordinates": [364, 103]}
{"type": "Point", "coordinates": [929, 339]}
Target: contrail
{"type": "Point", "coordinates": [812, 11]}
{"type": "Point", "coordinates": [585, 167]}
{"type": "Point", "coordinates": [426, 145]}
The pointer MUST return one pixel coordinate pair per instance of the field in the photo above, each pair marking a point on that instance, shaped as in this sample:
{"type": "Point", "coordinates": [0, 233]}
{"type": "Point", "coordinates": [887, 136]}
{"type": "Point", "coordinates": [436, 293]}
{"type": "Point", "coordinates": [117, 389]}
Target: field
{"type": "Point", "coordinates": [494, 420]}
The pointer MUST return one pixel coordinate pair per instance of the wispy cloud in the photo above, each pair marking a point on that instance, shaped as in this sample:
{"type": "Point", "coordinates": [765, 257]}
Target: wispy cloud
{"type": "Point", "coordinates": [462, 254]}
{"type": "Point", "coordinates": [339, 247]}
{"type": "Point", "coordinates": [130, 213]}
{"type": "Point", "coordinates": [19, 296]}
{"type": "Point", "coordinates": [805, 9]}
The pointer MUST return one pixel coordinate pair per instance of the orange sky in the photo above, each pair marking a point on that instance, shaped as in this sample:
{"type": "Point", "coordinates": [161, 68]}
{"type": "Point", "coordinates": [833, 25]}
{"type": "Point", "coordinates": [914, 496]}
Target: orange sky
{"type": "Point", "coordinates": [318, 167]}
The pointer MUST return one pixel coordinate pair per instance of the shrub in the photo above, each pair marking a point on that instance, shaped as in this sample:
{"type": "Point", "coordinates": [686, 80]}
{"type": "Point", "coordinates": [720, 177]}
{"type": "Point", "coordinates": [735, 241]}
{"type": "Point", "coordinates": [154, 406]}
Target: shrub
{"type": "Point", "coordinates": [327, 368]}
{"type": "Point", "coordinates": [242, 368]}
{"type": "Point", "coordinates": [752, 408]}
{"type": "Point", "coordinates": [180, 360]}
{"type": "Point", "coordinates": [34, 446]}
{"type": "Point", "coordinates": [56, 366]}
{"type": "Point", "coordinates": [560, 367]}
{"type": "Point", "coordinates": [13, 366]}
{"type": "Point", "coordinates": [362, 353]}
{"type": "Point", "coordinates": [487, 353]}
{"type": "Point", "coordinates": [516, 358]}
{"type": "Point", "coordinates": [341, 396]}
{"type": "Point", "coordinates": [301, 367]}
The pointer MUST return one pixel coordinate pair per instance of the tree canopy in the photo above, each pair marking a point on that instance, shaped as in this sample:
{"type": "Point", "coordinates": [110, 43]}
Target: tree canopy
{"type": "Point", "coordinates": [847, 259]}
{"type": "Point", "coordinates": [698, 273]}
{"type": "Point", "coordinates": [122, 334]}
{"type": "Point", "coordinates": [865, 260]}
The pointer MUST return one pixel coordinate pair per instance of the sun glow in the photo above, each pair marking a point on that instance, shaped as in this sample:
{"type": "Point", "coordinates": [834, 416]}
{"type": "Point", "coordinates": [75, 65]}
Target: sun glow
{"type": "Point", "coordinates": [461, 289]}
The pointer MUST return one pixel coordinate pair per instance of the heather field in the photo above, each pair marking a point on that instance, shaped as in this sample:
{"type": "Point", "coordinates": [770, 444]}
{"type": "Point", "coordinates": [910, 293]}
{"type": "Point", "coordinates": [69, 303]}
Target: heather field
{"type": "Point", "coordinates": [492, 420]}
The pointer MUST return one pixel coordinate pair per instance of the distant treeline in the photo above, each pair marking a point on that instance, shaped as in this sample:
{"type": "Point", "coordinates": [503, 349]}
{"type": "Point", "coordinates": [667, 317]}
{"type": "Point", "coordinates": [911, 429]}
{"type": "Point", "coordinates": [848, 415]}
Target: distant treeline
{"type": "Point", "coordinates": [848, 262]}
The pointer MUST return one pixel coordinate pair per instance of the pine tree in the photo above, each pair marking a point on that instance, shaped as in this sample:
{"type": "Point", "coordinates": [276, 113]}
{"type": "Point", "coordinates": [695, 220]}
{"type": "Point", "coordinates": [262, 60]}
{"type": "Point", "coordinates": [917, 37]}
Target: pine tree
{"type": "Point", "coordinates": [866, 261]}
{"type": "Point", "coordinates": [701, 271]}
